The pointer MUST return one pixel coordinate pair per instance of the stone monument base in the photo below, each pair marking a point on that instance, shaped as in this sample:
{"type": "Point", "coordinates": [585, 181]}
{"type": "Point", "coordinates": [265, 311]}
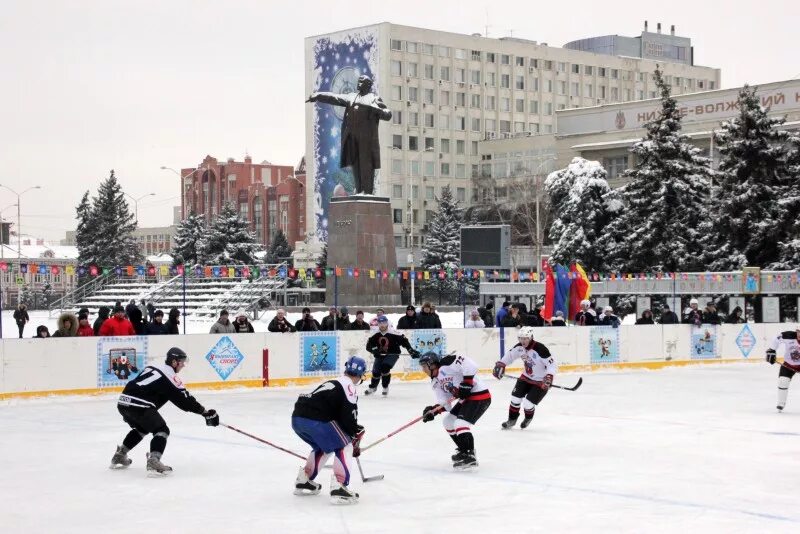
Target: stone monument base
{"type": "Point", "coordinates": [361, 235]}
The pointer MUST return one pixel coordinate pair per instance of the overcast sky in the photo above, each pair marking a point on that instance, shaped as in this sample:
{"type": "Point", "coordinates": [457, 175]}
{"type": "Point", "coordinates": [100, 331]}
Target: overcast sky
{"type": "Point", "coordinates": [88, 86]}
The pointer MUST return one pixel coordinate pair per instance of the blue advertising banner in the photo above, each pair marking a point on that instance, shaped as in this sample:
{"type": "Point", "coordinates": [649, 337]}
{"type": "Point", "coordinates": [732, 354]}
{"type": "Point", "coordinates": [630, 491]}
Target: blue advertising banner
{"type": "Point", "coordinates": [432, 340]}
{"type": "Point", "coordinates": [119, 359]}
{"type": "Point", "coordinates": [704, 342]}
{"type": "Point", "coordinates": [224, 357]}
{"type": "Point", "coordinates": [337, 60]}
{"type": "Point", "coordinates": [604, 344]}
{"type": "Point", "coordinates": [320, 353]}
{"type": "Point", "coordinates": [746, 341]}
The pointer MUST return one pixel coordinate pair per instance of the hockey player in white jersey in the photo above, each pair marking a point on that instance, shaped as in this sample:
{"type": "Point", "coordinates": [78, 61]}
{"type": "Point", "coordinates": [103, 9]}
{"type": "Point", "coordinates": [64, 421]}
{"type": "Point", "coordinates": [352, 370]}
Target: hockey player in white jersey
{"type": "Point", "coordinates": [791, 361]}
{"type": "Point", "coordinates": [535, 380]}
{"type": "Point", "coordinates": [454, 378]}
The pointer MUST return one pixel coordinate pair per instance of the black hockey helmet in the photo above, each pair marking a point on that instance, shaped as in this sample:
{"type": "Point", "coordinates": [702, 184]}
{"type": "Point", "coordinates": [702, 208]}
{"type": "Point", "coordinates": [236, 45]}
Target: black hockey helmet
{"type": "Point", "coordinates": [430, 358]}
{"type": "Point", "coordinates": [174, 354]}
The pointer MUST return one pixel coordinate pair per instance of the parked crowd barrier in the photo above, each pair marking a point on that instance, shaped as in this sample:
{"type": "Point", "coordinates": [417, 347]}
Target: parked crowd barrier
{"type": "Point", "coordinates": [89, 365]}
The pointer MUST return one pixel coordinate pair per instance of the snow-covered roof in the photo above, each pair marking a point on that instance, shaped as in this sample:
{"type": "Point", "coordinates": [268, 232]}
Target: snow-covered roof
{"type": "Point", "coordinates": [159, 259]}
{"type": "Point", "coordinates": [56, 252]}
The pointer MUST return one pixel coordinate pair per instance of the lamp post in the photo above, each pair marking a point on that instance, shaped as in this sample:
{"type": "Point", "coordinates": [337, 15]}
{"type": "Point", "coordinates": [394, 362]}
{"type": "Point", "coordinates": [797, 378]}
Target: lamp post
{"type": "Point", "coordinates": [538, 223]}
{"type": "Point", "coordinates": [19, 217]}
{"type": "Point", "coordinates": [136, 203]}
{"type": "Point", "coordinates": [183, 196]}
{"type": "Point", "coordinates": [3, 245]}
{"type": "Point", "coordinates": [410, 215]}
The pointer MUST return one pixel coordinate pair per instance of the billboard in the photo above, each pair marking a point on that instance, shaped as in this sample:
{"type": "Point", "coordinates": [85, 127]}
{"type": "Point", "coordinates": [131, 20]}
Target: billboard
{"type": "Point", "coordinates": [486, 247]}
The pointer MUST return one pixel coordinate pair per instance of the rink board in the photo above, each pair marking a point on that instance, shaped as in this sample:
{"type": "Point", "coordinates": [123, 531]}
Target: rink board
{"type": "Point", "coordinates": [32, 367]}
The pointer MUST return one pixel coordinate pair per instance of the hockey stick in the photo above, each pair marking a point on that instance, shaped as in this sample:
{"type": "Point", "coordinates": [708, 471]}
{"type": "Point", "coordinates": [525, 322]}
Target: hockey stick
{"type": "Point", "coordinates": [363, 478]}
{"type": "Point", "coordinates": [263, 441]}
{"type": "Point", "coordinates": [390, 434]}
{"type": "Point", "coordinates": [573, 388]}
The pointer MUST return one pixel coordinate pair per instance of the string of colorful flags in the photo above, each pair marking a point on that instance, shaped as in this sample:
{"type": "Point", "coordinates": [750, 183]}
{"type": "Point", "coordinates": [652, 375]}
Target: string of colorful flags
{"type": "Point", "coordinates": [256, 271]}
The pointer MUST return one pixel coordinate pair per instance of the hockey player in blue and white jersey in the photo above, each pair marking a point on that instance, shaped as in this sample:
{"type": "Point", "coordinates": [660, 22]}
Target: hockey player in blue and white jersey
{"type": "Point", "coordinates": [327, 419]}
{"type": "Point", "coordinates": [139, 404]}
{"type": "Point", "coordinates": [535, 380]}
{"type": "Point", "coordinates": [454, 378]}
{"type": "Point", "coordinates": [791, 361]}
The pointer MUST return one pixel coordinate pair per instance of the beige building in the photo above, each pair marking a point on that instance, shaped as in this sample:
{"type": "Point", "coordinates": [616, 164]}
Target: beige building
{"type": "Point", "coordinates": [452, 94]}
{"type": "Point", "coordinates": [152, 240]}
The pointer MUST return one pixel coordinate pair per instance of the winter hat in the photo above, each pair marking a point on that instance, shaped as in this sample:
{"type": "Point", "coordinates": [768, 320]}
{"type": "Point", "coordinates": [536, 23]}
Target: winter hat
{"type": "Point", "coordinates": [119, 309]}
{"type": "Point", "coordinates": [223, 312]}
{"type": "Point", "coordinates": [608, 309]}
{"type": "Point", "coordinates": [410, 308]}
{"type": "Point", "coordinates": [693, 301]}
{"type": "Point", "coordinates": [490, 306]}
{"type": "Point", "coordinates": [82, 316]}
{"type": "Point", "coordinates": [559, 313]}
{"type": "Point", "coordinates": [306, 310]}
{"type": "Point", "coordinates": [344, 310]}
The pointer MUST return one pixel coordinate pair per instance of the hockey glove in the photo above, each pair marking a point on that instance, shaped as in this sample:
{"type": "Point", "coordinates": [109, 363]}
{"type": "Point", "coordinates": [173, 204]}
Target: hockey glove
{"type": "Point", "coordinates": [357, 441]}
{"type": "Point", "coordinates": [430, 412]}
{"type": "Point", "coordinates": [771, 356]}
{"type": "Point", "coordinates": [464, 389]}
{"type": "Point", "coordinates": [212, 417]}
{"type": "Point", "coordinates": [499, 370]}
{"type": "Point", "coordinates": [547, 382]}
{"type": "Point", "coordinates": [414, 353]}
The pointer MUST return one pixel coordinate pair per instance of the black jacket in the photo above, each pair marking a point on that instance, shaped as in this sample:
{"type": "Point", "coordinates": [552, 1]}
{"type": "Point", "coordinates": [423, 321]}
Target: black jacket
{"type": "Point", "coordinates": [512, 322]}
{"type": "Point", "coordinates": [327, 323]}
{"type": "Point", "coordinates": [356, 326]}
{"type": "Point", "coordinates": [735, 317]}
{"type": "Point", "coordinates": [693, 317]}
{"type": "Point", "coordinates": [427, 320]}
{"type": "Point", "coordinates": [487, 316]}
{"type": "Point", "coordinates": [156, 329]}
{"type": "Point", "coordinates": [21, 316]}
{"type": "Point", "coordinates": [277, 326]}
{"type": "Point", "coordinates": [306, 324]}
{"type": "Point", "coordinates": [329, 402]}
{"type": "Point", "coordinates": [407, 322]}
{"type": "Point", "coordinates": [243, 328]}
{"type": "Point", "coordinates": [102, 315]}
{"type": "Point", "coordinates": [173, 321]}
{"type": "Point", "coordinates": [585, 318]}
{"type": "Point", "coordinates": [342, 323]}
{"type": "Point", "coordinates": [154, 387]}
{"type": "Point", "coordinates": [389, 343]}
{"type": "Point", "coordinates": [669, 317]}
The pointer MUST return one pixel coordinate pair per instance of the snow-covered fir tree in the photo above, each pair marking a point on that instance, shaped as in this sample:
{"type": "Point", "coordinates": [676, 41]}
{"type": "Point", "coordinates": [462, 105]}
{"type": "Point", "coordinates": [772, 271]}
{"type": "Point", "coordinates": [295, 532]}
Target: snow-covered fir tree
{"type": "Point", "coordinates": [228, 240]}
{"type": "Point", "coordinates": [25, 295]}
{"type": "Point", "coordinates": [789, 247]}
{"type": "Point", "coordinates": [189, 232]}
{"type": "Point", "coordinates": [748, 220]}
{"type": "Point", "coordinates": [279, 250]}
{"type": "Point", "coordinates": [442, 248]}
{"type": "Point", "coordinates": [581, 203]}
{"type": "Point", "coordinates": [665, 200]}
{"type": "Point", "coordinates": [104, 235]}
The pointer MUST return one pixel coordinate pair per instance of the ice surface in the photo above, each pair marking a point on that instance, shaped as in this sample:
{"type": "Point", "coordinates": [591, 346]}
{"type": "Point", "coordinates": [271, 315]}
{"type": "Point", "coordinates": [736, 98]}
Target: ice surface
{"type": "Point", "coordinates": [677, 450]}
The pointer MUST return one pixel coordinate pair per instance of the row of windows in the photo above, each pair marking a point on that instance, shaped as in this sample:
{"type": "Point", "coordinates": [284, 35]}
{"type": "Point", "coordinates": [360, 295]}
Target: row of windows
{"type": "Point", "coordinates": [411, 69]}
{"type": "Point", "coordinates": [430, 192]}
{"type": "Point", "coordinates": [462, 124]}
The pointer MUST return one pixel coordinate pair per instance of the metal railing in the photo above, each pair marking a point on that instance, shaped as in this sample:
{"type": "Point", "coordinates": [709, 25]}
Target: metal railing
{"type": "Point", "coordinates": [80, 293]}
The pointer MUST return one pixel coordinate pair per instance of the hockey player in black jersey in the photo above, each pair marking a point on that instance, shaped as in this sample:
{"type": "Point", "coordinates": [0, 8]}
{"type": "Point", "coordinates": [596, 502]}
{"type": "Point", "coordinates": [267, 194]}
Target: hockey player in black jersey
{"type": "Point", "coordinates": [327, 419]}
{"type": "Point", "coordinates": [385, 346]}
{"type": "Point", "coordinates": [139, 404]}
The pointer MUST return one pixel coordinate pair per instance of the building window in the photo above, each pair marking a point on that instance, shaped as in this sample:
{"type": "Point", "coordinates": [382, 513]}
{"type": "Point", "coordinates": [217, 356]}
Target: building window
{"type": "Point", "coordinates": [412, 94]}
{"type": "Point", "coordinates": [429, 169]}
{"type": "Point", "coordinates": [414, 164]}
{"type": "Point", "coordinates": [444, 170]}
{"type": "Point", "coordinates": [459, 147]}
{"type": "Point", "coordinates": [588, 70]}
{"type": "Point", "coordinates": [505, 81]}
{"type": "Point", "coordinates": [428, 72]}
{"type": "Point", "coordinates": [491, 103]}
{"type": "Point", "coordinates": [588, 90]}
{"type": "Point", "coordinates": [397, 191]}
{"type": "Point", "coordinates": [548, 108]}
{"type": "Point", "coordinates": [614, 74]}
{"type": "Point", "coordinates": [427, 49]}
{"type": "Point", "coordinates": [444, 51]}
{"type": "Point", "coordinates": [519, 105]}
{"type": "Point", "coordinates": [461, 123]}
{"type": "Point", "coordinates": [505, 59]}
{"type": "Point", "coordinates": [444, 98]}
{"type": "Point", "coordinates": [475, 101]}
{"type": "Point", "coordinates": [491, 79]}
{"type": "Point", "coordinates": [461, 76]}
{"type": "Point", "coordinates": [474, 148]}
{"type": "Point", "coordinates": [561, 66]}
{"type": "Point", "coordinates": [575, 90]}
{"type": "Point", "coordinates": [490, 57]}
{"type": "Point", "coordinates": [429, 120]}
{"type": "Point", "coordinates": [397, 117]}
{"type": "Point", "coordinates": [490, 125]}
{"type": "Point", "coordinates": [519, 127]}
{"type": "Point", "coordinates": [475, 124]}
{"type": "Point", "coordinates": [534, 106]}
{"type": "Point", "coordinates": [397, 44]}
{"type": "Point", "coordinates": [413, 142]}
{"type": "Point", "coordinates": [461, 170]}
{"type": "Point", "coordinates": [397, 141]}
{"type": "Point", "coordinates": [461, 194]}
{"type": "Point", "coordinates": [475, 76]}
{"type": "Point", "coordinates": [576, 69]}
{"type": "Point", "coordinates": [444, 145]}
{"type": "Point", "coordinates": [397, 216]}
{"type": "Point", "coordinates": [414, 192]}
{"type": "Point", "coordinates": [413, 118]}
{"type": "Point", "coordinates": [411, 70]}
{"type": "Point", "coordinates": [533, 127]}
{"type": "Point", "coordinates": [397, 92]}
{"type": "Point", "coordinates": [505, 126]}
{"type": "Point", "coordinates": [444, 73]}
{"type": "Point", "coordinates": [534, 84]}
{"type": "Point", "coordinates": [396, 68]}
{"type": "Point", "coordinates": [519, 61]}
{"type": "Point", "coordinates": [549, 86]}
{"type": "Point", "coordinates": [519, 82]}
{"type": "Point", "coordinates": [429, 143]}
{"type": "Point", "coordinates": [461, 99]}
{"type": "Point", "coordinates": [411, 47]}
{"type": "Point", "coordinates": [616, 166]}
{"type": "Point", "coordinates": [427, 96]}
{"type": "Point", "coordinates": [444, 122]}
{"type": "Point", "coordinates": [476, 55]}
{"type": "Point", "coordinates": [562, 88]}
{"type": "Point", "coordinates": [505, 104]}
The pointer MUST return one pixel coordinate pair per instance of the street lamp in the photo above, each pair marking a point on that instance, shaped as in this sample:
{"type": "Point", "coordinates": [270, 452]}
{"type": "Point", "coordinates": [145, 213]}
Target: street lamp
{"type": "Point", "coordinates": [410, 214]}
{"type": "Point", "coordinates": [136, 203]}
{"type": "Point", "coordinates": [538, 224]}
{"type": "Point", "coordinates": [19, 223]}
{"type": "Point", "coordinates": [3, 245]}
{"type": "Point", "coordinates": [183, 196]}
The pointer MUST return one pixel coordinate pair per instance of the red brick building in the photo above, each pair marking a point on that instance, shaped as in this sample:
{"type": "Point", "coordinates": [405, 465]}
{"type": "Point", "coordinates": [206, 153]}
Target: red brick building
{"type": "Point", "coordinates": [268, 196]}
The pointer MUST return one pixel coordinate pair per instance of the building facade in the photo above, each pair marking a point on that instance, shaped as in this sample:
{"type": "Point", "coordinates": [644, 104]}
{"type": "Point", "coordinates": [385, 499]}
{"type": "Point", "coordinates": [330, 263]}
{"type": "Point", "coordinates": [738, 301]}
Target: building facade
{"type": "Point", "coordinates": [269, 197]}
{"type": "Point", "coordinates": [449, 93]}
{"type": "Point", "coordinates": [151, 240]}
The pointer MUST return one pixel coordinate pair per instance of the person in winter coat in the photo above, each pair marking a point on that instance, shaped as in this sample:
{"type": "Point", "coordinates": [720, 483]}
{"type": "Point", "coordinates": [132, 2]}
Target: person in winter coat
{"type": "Point", "coordinates": [151, 312]}
{"type": "Point", "coordinates": [474, 320]}
{"type": "Point", "coordinates": [558, 319]}
{"type": "Point", "coordinates": [157, 327]}
{"type": "Point", "coordinates": [130, 307]}
{"type": "Point", "coordinates": [668, 316]}
{"type": "Point", "coordinates": [84, 328]}
{"type": "Point", "coordinates": [173, 320]}
{"type": "Point", "coordinates": [585, 317]}
{"type": "Point", "coordinates": [280, 324]}
{"type": "Point", "coordinates": [710, 315]}
{"type": "Point", "coordinates": [735, 317]}
{"type": "Point", "coordinates": [502, 313]}
{"type": "Point", "coordinates": [41, 332]}
{"type": "Point", "coordinates": [409, 320]}
{"type": "Point", "coordinates": [102, 315]}
{"type": "Point", "coordinates": [692, 315]}
{"type": "Point", "coordinates": [241, 325]}
{"type": "Point", "coordinates": [143, 309]}
{"type": "Point", "coordinates": [535, 317]}
{"type": "Point", "coordinates": [513, 319]}
{"type": "Point", "coordinates": [136, 320]}
{"type": "Point", "coordinates": [67, 325]}
{"type": "Point", "coordinates": [428, 318]}
{"type": "Point", "coordinates": [21, 317]}
{"type": "Point", "coordinates": [487, 314]}
{"type": "Point", "coordinates": [343, 319]}
{"type": "Point", "coordinates": [117, 325]}
{"type": "Point", "coordinates": [609, 319]}
{"type": "Point", "coordinates": [359, 323]}
{"type": "Point", "coordinates": [646, 318]}
{"type": "Point", "coordinates": [223, 324]}
{"type": "Point", "coordinates": [329, 321]}
{"type": "Point", "coordinates": [306, 323]}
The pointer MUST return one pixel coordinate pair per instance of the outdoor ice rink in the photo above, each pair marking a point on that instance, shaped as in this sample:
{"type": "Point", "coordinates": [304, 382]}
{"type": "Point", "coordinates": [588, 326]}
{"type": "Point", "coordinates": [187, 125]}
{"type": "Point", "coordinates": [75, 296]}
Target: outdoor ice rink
{"type": "Point", "coordinates": [693, 449]}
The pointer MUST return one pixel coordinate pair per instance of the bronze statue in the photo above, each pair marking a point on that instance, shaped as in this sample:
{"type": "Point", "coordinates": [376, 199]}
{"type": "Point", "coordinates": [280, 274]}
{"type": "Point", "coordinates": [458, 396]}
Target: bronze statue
{"type": "Point", "coordinates": [360, 148]}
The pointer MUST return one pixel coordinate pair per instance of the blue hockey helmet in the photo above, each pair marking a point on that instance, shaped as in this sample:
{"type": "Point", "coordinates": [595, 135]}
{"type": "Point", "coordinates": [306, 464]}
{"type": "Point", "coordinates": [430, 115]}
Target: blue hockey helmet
{"type": "Point", "coordinates": [355, 366]}
{"type": "Point", "coordinates": [430, 358]}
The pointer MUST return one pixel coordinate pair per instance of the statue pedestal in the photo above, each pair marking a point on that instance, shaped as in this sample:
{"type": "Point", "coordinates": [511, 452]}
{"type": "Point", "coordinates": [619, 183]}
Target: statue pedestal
{"type": "Point", "coordinates": [360, 235]}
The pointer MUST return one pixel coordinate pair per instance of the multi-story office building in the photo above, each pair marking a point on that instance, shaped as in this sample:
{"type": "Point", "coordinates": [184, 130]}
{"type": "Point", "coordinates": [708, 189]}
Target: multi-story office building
{"type": "Point", "coordinates": [448, 92]}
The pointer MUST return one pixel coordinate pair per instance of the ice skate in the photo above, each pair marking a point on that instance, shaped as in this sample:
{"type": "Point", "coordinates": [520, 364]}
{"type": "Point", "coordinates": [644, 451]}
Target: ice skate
{"type": "Point", "coordinates": [370, 391]}
{"type": "Point", "coordinates": [466, 461]}
{"type": "Point", "coordinates": [385, 392]}
{"type": "Point", "coordinates": [456, 456]}
{"type": "Point", "coordinates": [154, 466]}
{"type": "Point", "coordinates": [780, 408]}
{"type": "Point", "coordinates": [341, 494]}
{"type": "Point", "coordinates": [526, 422]}
{"type": "Point", "coordinates": [509, 424]}
{"type": "Point", "coordinates": [304, 486]}
{"type": "Point", "coordinates": [120, 459]}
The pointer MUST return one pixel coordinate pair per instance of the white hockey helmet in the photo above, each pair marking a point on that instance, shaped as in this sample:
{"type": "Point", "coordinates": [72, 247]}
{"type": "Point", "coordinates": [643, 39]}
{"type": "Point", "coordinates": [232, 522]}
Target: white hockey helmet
{"type": "Point", "coordinates": [525, 332]}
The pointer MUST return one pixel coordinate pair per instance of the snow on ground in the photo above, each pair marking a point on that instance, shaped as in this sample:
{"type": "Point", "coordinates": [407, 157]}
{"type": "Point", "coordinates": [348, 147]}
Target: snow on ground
{"type": "Point", "coordinates": [698, 449]}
